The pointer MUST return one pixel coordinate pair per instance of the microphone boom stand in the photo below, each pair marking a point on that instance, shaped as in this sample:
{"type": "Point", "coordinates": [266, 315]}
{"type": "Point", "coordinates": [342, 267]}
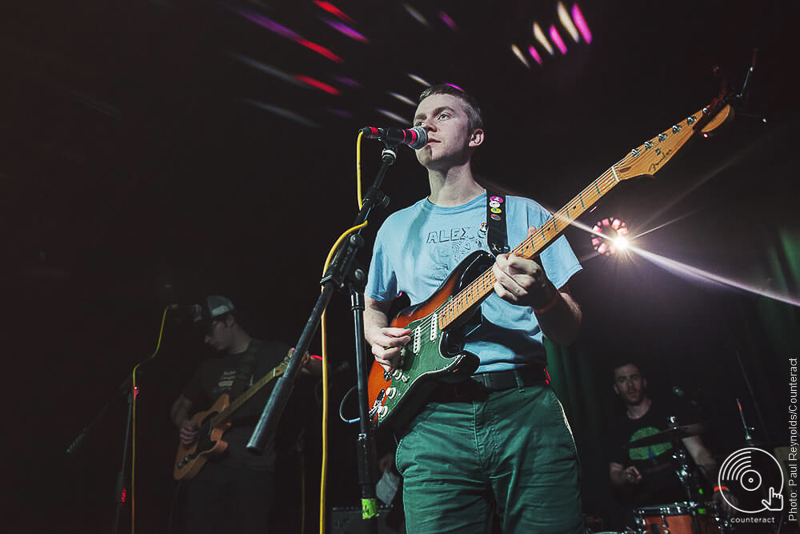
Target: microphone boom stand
{"type": "Point", "coordinates": [339, 272]}
{"type": "Point", "coordinates": [125, 388]}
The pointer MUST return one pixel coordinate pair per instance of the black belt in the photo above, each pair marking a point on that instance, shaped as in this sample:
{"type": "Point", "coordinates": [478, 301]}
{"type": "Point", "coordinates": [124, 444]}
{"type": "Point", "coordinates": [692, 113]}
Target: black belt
{"type": "Point", "coordinates": [477, 386]}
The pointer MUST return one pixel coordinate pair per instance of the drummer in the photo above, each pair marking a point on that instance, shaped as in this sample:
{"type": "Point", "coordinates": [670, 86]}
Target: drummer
{"type": "Point", "coordinates": [647, 474]}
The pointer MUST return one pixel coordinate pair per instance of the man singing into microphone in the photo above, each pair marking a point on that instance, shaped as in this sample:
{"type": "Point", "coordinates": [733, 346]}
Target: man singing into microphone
{"type": "Point", "coordinates": [646, 475]}
{"type": "Point", "coordinates": [498, 443]}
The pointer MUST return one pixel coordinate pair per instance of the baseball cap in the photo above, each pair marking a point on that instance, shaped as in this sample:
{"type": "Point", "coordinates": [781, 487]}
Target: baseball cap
{"type": "Point", "coordinates": [213, 306]}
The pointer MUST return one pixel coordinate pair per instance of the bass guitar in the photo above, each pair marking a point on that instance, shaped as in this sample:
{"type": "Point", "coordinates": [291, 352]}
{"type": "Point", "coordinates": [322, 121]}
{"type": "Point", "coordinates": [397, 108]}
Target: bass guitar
{"type": "Point", "coordinates": [435, 353]}
{"type": "Point", "coordinates": [213, 424]}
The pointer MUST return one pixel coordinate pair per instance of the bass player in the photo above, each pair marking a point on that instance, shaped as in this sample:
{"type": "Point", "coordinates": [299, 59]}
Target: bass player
{"type": "Point", "coordinates": [234, 490]}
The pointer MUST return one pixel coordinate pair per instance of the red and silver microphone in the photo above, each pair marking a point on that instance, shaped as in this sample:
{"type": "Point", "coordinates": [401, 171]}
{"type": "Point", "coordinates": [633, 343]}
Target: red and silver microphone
{"type": "Point", "coordinates": [415, 137]}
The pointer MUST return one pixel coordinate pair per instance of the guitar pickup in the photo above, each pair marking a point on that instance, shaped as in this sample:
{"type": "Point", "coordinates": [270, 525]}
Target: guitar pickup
{"type": "Point", "coordinates": [434, 326]}
{"type": "Point", "coordinates": [417, 339]}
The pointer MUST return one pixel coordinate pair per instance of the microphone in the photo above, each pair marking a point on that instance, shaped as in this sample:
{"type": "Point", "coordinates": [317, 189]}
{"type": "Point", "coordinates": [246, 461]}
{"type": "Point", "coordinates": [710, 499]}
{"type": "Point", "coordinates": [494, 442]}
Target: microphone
{"type": "Point", "coordinates": [678, 392]}
{"type": "Point", "coordinates": [195, 311]}
{"type": "Point", "coordinates": [415, 137]}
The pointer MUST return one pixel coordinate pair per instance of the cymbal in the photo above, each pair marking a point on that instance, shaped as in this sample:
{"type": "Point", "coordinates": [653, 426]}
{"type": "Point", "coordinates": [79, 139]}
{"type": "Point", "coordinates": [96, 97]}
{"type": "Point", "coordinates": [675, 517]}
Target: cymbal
{"type": "Point", "coordinates": [671, 434]}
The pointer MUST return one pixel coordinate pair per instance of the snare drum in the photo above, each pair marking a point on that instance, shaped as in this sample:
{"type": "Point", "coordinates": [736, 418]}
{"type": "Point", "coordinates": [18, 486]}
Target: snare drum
{"type": "Point", "coordinates": [675, 518]}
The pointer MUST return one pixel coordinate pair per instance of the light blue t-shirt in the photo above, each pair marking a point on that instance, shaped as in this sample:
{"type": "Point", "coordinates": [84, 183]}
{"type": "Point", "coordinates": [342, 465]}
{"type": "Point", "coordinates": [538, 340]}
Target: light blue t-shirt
{"type": "Point", "coordinates": [418, 247]}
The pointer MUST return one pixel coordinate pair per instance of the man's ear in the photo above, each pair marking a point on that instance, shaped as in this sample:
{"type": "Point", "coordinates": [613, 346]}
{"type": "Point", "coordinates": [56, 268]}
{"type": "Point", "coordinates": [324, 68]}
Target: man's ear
{"type": "Point", "coordinates": [476, 139]}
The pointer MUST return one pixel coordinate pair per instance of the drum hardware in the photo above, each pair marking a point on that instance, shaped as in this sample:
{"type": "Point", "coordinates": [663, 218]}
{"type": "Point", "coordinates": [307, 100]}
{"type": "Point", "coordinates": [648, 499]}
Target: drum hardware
{"type": "Point", "coordinates": [678, 518]}
{"type": "Point", "coordinates": [672, 435]}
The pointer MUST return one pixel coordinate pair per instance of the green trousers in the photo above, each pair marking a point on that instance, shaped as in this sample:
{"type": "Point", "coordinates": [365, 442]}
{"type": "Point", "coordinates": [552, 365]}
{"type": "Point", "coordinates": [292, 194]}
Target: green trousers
{"type": "Point", "coordinates": [510, 454]}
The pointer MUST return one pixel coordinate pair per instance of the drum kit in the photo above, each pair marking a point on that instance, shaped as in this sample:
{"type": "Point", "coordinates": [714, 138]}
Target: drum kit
{"type": "Point", "coordinates": [688, 517]}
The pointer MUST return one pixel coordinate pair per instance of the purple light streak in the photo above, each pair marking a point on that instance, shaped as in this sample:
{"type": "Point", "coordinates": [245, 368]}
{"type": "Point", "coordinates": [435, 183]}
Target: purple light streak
{"type": "Point", "coordinates": [447, 20]}
{"type": "Point", "coordinates": [346, 30]}
{"type": "Point", "coordinates": [348, 81]}
{"type": "Point", "coordinates": [283, 31]}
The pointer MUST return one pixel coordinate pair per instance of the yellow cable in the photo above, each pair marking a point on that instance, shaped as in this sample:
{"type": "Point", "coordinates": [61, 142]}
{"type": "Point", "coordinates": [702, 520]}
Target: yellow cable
{"type": "Point", "coordinates": [324, 466]}
{"type": "Point", "coordinates": [323, 333]}
{"type": "Point", "coordinates": [133, 418]}
{"type": "Point", "coordinates": [358, 169]}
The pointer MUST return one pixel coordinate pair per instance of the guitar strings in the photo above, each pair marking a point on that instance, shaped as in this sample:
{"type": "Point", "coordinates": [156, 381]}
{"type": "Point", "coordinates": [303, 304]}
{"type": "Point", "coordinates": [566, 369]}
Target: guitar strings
{"type": "Point", "coordinates": [603, 184]}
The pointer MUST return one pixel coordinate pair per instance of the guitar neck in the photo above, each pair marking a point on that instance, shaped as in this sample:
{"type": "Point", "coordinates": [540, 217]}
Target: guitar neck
{"type": "Point", "coordinates": [483, 285]}
{"type": "Point", "coordinates": [252, 390]}
{"type": "Point", "coordinates": [646, 159]}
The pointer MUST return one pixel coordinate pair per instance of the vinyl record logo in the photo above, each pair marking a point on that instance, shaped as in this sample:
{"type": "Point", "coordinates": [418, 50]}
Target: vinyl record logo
{"type": "Point", "coordinates": [754, 475]}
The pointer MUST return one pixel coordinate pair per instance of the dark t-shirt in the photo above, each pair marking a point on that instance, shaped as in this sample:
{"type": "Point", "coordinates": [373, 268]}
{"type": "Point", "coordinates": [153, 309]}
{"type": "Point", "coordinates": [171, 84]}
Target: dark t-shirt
{"type": "Point", "coordinates": [659, 484]}
{"type": "Point", "coordinates": [217, 376]}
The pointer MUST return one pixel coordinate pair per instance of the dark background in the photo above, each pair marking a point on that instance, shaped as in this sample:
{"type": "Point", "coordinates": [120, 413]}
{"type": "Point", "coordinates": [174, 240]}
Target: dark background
{"type": "Point", "coordinates": [138, 170]}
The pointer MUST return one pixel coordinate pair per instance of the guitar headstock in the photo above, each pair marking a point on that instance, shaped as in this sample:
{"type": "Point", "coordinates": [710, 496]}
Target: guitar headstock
{"type": "Point", "coordinates": [651, 155]}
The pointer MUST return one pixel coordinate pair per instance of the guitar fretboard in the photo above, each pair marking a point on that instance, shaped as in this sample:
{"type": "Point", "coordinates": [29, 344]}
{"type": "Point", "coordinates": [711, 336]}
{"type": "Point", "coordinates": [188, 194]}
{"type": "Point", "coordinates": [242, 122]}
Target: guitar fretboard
{"type": "Point", "coordinates": [544, 236]}
{"type": "Point", "coordinates": [646, 159]}
{"type": "Point", "coordinates": [252, 390]}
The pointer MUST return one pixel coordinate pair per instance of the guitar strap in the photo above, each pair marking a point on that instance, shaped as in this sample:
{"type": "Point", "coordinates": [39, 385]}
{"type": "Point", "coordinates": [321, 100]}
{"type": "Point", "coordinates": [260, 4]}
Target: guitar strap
{"type": "Point", "coordinates": [496, 235]}
{"type": "Point", "coordinates": [243, 373]}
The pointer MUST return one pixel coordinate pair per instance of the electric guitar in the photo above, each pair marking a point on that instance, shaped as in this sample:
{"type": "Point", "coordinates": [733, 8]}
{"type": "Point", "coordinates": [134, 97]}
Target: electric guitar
{"type": "Point", "coordinates": [213, 424]}
{"type": "Point", "coordinates": [435, 353]}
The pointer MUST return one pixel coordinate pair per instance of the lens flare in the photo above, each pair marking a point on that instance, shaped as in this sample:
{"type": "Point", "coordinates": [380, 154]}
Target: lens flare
{"type": "Point", "coordinates": [689, 272]}
{"type": "Point", "coordinates": [693, 273]}
{"type": "Point", "coordinates": [608, 236]}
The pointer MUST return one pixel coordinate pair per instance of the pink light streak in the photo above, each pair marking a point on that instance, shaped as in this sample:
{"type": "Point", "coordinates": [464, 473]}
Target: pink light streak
{"type": "Point", "coordinates": [332, 9]}
{"type": "Point", "coordinates": [554, 35]}
{"type": "Point", "coordinates": [535, 55]}
{"type": "Point", "coordinates": [318, 84]}
{"type": "Point", "coordinates": [283, 31]}
{"type": "Point", "coordinates": [321, 50]}
{"type": "Point", "coordinates": [577, 16]}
